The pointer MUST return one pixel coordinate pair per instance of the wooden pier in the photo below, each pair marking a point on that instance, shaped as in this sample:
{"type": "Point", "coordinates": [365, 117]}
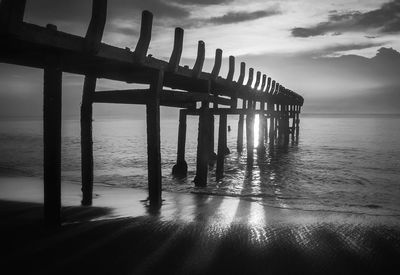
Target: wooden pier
{"type": "Point", "coordinates": [194, 91]}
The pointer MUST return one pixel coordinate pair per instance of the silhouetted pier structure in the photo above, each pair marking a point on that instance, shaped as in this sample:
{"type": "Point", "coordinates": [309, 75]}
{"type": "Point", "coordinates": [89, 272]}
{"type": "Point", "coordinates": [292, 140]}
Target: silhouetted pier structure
{"type": "Point", "coordinates": [169, 85]}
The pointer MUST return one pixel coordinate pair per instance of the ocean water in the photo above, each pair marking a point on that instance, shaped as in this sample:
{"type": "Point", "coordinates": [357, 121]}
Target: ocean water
{"type": "Point", "coordinates": [345, 164]}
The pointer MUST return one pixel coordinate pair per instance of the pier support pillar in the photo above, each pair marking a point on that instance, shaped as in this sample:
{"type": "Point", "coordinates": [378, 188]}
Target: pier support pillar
{"type": "Point", "coordinates": [52, 104]}
{"type": "Point", "coordinates": [286, 125]}
{"type": "Point", "coordinates": [213, 155]}
{"type": "Point", "coordinates": [250, 137]}
{"type": "Point", "coordinates": [293, 116]}
{"type": "Point", "coordinates": [153, 140]}
{"type": "Point", "coordinates": [272, 125]}
{"type": "Point", "coordinates": [203, 140]}
{"type": "Point", "coordinates": [221, 146]}
{"type": "Point", "coordinates": [298, 121]}
{"type": "Point", "coordinates": [89, 87]}
{"type": "Point", "coordinates": [240, 133]}
{"type": "Point", "coordinates": [261, 133]}
{"type": "Point", "coordinates": [180, 168]}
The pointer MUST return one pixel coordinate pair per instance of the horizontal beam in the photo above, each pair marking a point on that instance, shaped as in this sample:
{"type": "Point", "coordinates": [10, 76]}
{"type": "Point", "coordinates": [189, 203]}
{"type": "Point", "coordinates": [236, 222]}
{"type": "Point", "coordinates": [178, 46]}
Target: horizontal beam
{"type": "Point", "coordinates": [167, 97]}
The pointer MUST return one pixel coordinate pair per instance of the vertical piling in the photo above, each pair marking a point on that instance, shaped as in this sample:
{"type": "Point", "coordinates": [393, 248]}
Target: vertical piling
{"type": "Point", "coordinates": [52, 101]}
{"type": "Point", "coordinates": [211, 124]}
{"type": "Point", "coordinates": [221, 146]}
{"type": "Point", "coordinates": [298, 121]}
{"type": "Point", "coordinates": [202, 147]}
{"type": "Point", "coordinates": [89, 87]}
{"type": "Point", "coordinates": [250, 137]}
{"type": "Point", "coordinates": [153, 139]}
{"type": "Point", "coordinates": [293, 116]}
{"type": "Point", "coordinates": [286, 125]}
{"type": "Point", "coordinates": [271, 107]}
{"type": "Point", "coordinates": [180, 168]}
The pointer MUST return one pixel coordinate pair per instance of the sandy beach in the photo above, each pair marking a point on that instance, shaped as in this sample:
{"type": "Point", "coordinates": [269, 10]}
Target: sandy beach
{"type": "Point", "coordinates": [190, 234]}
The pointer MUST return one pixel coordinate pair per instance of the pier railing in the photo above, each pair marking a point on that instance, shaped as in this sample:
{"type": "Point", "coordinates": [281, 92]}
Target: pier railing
{"type": "Point", "coordinates": [170, 84]}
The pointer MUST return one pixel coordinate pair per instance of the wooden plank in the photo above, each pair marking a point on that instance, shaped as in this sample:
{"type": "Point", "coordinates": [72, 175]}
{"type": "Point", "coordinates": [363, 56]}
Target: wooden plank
{"type": "Point", "coordinates": [153, 140]}
{"type": "Point", "coordinates": [167, 97]}
{"type": "Point", "coordinates": [52, 141]}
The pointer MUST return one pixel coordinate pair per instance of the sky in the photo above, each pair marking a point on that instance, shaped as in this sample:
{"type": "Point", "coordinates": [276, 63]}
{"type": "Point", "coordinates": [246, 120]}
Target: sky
{"type": "Point", "coordinates": [342, 56]}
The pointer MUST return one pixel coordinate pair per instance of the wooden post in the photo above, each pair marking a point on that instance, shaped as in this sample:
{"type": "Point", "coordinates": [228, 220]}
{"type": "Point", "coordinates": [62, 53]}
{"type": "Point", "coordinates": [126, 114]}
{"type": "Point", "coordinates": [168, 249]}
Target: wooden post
{"type": "Point", "coordinates": [87, 139]}
{"type": "Point", "coordinates": [52, 105]}
{"type": "Point", "coordinates": [92, 44]}
{"type": "Point", "coordinates": [277, 122]}
{"type": "Point", "coordinates": [180, 168]}
{"type": "Point", "coordinates": [293, 116]}
{"type": "Point", "coordinates": [241, 116]}
{"type": "Point", "coordinates": [202, 147]}
{"type": "Point", "coordinates": [212, 155]}
{"type": "Point", "coordinates": [298, 122]}
{"type": "Point", "coordinates": [271, 107]}
{"type": "Point", "coordinates": [240, 133]}
{"type": "Point", "coordinates": [261, 120]}
{"type": "Point", "coordinates": [221, 146]}
{"type": "Point", "coordinates": [142, 45]}
{"type": "Point", "coordinates": [153, 139]}
{"type": "Point", "coordinates": [250, 137]}
{"type": "Point", "coordinates": [11, 14]}
{"type": "Point", "coordinates": [286, 125]}
{"type": "Point", "coordinates": [175, 58]}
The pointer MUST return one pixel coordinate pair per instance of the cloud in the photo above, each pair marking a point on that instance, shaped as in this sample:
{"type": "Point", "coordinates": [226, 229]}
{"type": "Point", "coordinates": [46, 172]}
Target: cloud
{"type": "Point", "coordinates": [202, 2]}
{"type": "Point", "coordinates": [78, 11]}
{"type": "Point", "coordinates": [335, 49]}
{"type": "Point", "coordinates": [236, 17]}
{"type": "Point", "coordinates": [386, 19]}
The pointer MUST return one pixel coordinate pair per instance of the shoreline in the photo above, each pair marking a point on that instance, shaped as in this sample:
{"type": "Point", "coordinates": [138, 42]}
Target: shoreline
{"type": "Point", "coordinates": [131, 202]}
{"type": "Point", "coordinates": [190, 234]}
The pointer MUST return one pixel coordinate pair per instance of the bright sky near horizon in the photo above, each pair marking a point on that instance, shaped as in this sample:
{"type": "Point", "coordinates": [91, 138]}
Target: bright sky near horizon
{"type": "Point", "coordinates": [306, 45]}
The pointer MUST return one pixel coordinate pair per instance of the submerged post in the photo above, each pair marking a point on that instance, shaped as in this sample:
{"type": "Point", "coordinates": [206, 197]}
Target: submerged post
{"type": "Point", "coordinates": [221, 146]}
{"type": "Point", "coordinates": [261, 120]}
{"type": "Point", "coordinates": [89, 87]}
{"type": "Point", "coordinates": [250, 123]}
{"type": "Point", "coordinates": [52, 101]}
{"type": "Point", "coordinates": [202, 146]}
{"type": "Point", "coordinates": [271, 107]}
{"type": "Point", "coordinates": [153, 139]}
{"type": "Point", "coordinates": [298, 121]}
{"type": "Point", "coordinates": [241, 116]}
{"type": "Point", "coordinates": [293, 116]}
{"type": "Point", "coordinates": [180, 168]}
{"type": "Point", "coordinates": [92, 44]}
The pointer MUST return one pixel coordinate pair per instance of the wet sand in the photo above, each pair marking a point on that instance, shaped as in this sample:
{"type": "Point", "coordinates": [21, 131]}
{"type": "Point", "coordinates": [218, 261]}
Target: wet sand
{"type": "Point", "coordinates": [191, 234]}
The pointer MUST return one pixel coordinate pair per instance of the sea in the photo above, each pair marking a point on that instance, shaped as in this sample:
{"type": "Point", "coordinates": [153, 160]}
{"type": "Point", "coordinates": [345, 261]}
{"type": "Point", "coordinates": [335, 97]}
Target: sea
{"type": "Point", "coordinates": [340, 163]}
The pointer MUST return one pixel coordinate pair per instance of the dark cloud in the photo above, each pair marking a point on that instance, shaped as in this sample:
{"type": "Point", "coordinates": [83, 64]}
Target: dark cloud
{"type": "Point", "coordinates": [236, 17]}
{"type": "Point", "coordinates": [201, 2]}
{"type": "Point", "coordinates": [385, 19]}
{"type": "Point", "coordinates": [344, 48]}
{"type": "Point", "coordinates": [77, 11]}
